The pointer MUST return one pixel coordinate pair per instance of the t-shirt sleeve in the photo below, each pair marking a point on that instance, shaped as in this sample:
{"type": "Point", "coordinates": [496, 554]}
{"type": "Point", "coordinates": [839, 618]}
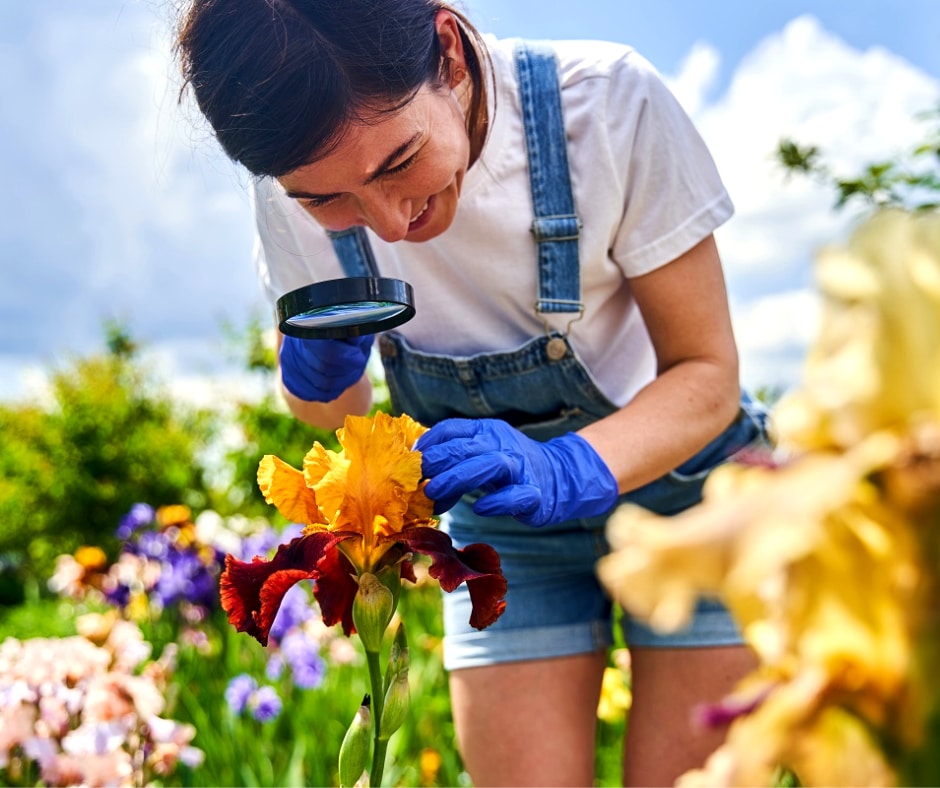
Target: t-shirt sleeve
{"type": "Point", "coordinates": [291, 250]}
{"type": "Point", "coordinates": [673, 195]}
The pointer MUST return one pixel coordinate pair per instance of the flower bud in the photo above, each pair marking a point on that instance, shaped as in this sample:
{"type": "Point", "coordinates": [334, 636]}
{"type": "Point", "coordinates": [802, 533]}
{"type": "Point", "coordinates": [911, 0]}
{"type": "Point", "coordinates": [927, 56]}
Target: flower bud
{"type": "Point", "coordinates": [390, 577]}
{"type": "Point", "coordinates": [372, 610]}
{"type": "Point", "coordinates": [354, 751]}
{"type": "Point", "coordinates": [398, 659]}
{"type": "Point", "coordinates": [397, 700]}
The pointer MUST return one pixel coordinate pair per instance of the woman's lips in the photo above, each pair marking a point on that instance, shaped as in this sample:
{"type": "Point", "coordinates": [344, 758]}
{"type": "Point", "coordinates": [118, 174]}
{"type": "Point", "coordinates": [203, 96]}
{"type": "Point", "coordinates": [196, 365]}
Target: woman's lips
{"type": "Point", "coordinates": [423, 217]}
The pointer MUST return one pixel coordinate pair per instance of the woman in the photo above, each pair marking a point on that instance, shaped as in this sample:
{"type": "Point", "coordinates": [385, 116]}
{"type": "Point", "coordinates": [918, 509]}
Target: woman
{"type": "Point", "coordinates": [553, 208]}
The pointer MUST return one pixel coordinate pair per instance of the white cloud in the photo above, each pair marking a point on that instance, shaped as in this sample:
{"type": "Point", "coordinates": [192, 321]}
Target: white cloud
{"type": "Point", "coordinates": [804, 83]}
{"type": "Point", "coordinates": [124, 210]}
{"type": "Point", "coordinates": [772, 333]}
{"type": "Point", "coordinates": [697, 74]}
{"type": "Point", "coordinates": [25, 382]}
{"type": "Point", "coordinates": [194, 371]}
{"type": "Point", "coordinates": [807, 84]}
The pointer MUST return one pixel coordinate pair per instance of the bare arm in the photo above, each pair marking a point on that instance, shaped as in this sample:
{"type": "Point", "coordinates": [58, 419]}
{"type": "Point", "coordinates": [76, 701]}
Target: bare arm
{"type": "Point", "coordinates": [696, 392]}
{"type": "Point", "coordinates": [356, 400]}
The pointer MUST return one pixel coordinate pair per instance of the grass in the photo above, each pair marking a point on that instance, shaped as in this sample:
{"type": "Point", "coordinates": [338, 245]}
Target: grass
{"type": "Point", "coordinates": [301, 746]}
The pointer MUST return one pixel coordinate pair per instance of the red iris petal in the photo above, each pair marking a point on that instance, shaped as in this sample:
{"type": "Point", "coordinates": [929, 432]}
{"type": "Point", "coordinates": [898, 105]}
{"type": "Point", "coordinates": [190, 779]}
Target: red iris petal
{"type": "Point", "coordinates": [252, 592]}
{"type": "Point", "coordinates": [336, 589]}
{"type": "Point", "coordinates": [477, 565]}
{"type": "Point", "coordinates": [408, 571]}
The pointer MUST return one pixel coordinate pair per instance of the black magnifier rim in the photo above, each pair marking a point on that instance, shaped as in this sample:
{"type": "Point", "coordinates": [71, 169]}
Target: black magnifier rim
{"type": "Point", "coordinates": [337, 292]}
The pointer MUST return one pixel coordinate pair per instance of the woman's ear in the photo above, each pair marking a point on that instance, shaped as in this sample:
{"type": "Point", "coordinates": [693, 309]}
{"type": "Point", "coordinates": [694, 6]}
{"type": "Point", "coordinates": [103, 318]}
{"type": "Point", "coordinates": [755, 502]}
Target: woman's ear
{"type": "Point", "coordinates": [451, 44]}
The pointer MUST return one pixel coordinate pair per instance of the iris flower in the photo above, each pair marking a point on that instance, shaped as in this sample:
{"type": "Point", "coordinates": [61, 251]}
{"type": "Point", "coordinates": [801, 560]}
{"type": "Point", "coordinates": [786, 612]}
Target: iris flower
{"type": "Point", "coordinates": [364, 511]}
{"type": "Point", "coordinates": [828, 558]}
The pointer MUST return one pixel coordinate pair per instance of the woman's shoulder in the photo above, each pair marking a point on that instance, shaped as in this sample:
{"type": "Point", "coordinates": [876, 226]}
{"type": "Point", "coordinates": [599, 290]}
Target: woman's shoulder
{"type": "Point", "coordinates": [581, 59]}
{"type": "Point", "coordinates": [599, 80]}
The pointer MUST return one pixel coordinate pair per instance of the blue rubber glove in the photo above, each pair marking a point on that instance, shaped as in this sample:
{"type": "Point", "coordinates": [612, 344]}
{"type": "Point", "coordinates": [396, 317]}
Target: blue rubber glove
{"type": "Point", "coordinates": [537, 483]}
{"type": "Point", "coordinates": [319, 370]}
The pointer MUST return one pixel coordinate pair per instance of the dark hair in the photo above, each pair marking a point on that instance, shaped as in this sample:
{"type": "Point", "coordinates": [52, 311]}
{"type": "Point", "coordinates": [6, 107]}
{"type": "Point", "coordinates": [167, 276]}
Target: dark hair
{"type": "Point", "coordinates": [279, 80]}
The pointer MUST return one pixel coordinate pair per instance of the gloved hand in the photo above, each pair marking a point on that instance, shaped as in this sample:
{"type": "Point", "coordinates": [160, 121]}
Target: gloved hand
{"type": "Point", "coordinates": [319, 370]}
{"type": "Point", "coordinates": [537, 483]}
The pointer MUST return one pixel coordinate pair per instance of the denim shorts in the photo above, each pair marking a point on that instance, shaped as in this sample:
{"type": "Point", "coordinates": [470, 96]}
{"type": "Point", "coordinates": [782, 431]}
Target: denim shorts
{"type": "Point", "coordinates": [555, 605]}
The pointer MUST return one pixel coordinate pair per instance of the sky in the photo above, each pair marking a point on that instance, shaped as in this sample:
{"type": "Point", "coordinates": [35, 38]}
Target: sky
{"type": "Point", "coordinates": [117, 204]}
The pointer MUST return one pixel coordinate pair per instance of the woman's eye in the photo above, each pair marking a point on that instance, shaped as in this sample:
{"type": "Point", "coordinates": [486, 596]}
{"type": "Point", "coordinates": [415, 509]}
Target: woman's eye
{"type": "Point", "coordinates": [318, 202]}
{"type": "Point", "coordinates": [403, 166]}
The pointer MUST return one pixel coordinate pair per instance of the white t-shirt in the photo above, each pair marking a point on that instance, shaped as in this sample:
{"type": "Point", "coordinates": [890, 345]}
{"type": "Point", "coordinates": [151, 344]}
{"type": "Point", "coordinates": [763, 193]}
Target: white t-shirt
{"type": "Point", "coordinates": [645, 187]}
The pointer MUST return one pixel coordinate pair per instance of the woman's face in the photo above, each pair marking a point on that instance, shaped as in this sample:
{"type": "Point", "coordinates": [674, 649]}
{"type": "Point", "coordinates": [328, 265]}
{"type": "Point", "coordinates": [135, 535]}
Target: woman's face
{"type": "Point", "coordinates": [399, 175]}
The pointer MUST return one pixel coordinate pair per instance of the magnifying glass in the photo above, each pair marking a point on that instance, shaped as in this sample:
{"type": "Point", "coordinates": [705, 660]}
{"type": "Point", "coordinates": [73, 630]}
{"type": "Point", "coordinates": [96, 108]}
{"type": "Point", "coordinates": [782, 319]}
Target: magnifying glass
{"type": "Point", "coordinates": [350, 307]}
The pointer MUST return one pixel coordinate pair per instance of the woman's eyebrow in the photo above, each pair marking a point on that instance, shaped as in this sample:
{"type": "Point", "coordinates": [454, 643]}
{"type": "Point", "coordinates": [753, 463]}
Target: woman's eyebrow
{"type": "Point", "coordinates": [389, 160]}
{"type": "Point", "coordinates": [382, 168]}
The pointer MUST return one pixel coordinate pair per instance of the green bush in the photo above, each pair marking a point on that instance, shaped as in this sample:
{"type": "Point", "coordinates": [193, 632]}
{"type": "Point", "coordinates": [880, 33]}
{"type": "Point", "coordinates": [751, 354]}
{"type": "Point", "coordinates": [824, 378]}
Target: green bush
{"type": "Point", "coordinates": [110, 438]}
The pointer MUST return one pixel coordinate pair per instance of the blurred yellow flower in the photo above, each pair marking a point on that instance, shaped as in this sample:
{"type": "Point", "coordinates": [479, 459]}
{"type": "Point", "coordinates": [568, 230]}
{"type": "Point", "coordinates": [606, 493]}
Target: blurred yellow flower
{"type": "Point", "coordinates": [429, 764]}
{"type": "Point", "coordinates": [91, 557]}
{"type": "Point", "coordinates": [876, 362]}
{"type": "Point", "coordinates": [829, 561]}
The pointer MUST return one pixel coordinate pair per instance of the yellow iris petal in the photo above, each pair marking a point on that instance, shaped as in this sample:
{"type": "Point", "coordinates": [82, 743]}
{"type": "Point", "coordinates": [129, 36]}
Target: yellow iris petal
{"type": "Point", "coordinates": [383, 473]}
{"type": "Point", "coordinates": [284, 486]}
{"type": "Point", "coordinates": [371, 486]}
{"type": "Point", "coordinates": [325, 471]}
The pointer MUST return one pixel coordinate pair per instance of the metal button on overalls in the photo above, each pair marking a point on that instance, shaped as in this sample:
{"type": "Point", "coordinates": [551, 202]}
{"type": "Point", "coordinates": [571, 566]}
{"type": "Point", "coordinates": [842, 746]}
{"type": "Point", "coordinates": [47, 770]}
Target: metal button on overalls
{"type": "Point", "coordinates": [556, 349]}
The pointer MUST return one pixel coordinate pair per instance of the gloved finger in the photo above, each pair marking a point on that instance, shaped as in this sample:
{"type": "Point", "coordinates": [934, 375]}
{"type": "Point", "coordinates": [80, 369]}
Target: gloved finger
{"type": "Point", "coordinates": [488, 471]}
{"type": "Point", "coordinates": [307, 384]}
{"type": "Point", "coordinates": [447, 430]}
{"type": "Point", "coordinates": [311, 349]}
{"type": "Point", "coordinates": [333, 355]}
{"type": "Point", "coordinates": [519, 500]}
{"type": "Point", "coordinates": [355, 345]}
{"type": "Point", "coordinates": [335, 366]}
{"type": "Point", "coordinates": [342, 381]}
{"type": "Point", "coordinates": [442, 505]}
{"type": "Point", "coordinates": [444, 456]}
{"type": "Point", "coordinates": [363, 343]}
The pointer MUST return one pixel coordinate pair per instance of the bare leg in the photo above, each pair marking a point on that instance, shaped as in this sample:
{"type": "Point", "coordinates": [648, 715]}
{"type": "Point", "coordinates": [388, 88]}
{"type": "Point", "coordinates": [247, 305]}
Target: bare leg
{"type": "Point", "coordinates": [529, 723]}
{"type": "Point", "coordinates": [662, 741]}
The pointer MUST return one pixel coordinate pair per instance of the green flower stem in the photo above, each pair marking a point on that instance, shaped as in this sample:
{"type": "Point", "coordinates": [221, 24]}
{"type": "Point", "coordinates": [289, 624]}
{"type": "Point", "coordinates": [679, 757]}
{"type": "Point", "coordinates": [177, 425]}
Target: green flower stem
{"type": "Point", "coordinates": [378, 703]}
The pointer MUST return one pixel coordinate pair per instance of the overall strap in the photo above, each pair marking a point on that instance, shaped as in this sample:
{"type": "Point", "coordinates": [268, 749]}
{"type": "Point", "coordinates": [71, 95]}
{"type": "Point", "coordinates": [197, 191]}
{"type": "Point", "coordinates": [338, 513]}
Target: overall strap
{"type": "Point", "coordinates": [354, 252]}
{"type": "Point", "coordinates": [556, 226]}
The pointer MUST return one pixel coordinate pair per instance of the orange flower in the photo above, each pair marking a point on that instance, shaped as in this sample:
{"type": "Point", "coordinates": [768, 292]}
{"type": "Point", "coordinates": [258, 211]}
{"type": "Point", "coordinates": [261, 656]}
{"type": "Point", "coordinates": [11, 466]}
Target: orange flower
{"type": "Point", "coordinates": [364, 509]}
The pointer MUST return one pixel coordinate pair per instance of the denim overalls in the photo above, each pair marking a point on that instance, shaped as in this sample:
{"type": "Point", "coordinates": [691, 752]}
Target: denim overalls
{"type": "Point", "coordinates": [555, 606]}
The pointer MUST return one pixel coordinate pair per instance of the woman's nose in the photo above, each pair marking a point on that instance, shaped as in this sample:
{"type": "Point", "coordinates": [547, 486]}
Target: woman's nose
{"type": "Point", "coordinates": [388, 218]}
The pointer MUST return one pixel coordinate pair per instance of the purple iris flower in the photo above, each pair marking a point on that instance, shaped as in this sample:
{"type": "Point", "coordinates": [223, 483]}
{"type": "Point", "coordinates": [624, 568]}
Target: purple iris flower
{"type": "Point", "coordinates": [302, 653]}
{"type": "Point", "coordinates": [151, 544]}
{"type": "Point", "coordinates": [294, 611]}
{"type": "Point", "coordinates": [265, 704]}
{"type": "Point", "coordinates": [140, 514]}
{"type": "Point", "coordinates": [275, 666]}
{"type": "Point", "coordinates": [185, 578]}
{"type": "Point", "coordinates": [238, 691]}
{"type": "Point", "coordinates": [119, 595]}
{"type": "Point", "coordinates": [264, 542]}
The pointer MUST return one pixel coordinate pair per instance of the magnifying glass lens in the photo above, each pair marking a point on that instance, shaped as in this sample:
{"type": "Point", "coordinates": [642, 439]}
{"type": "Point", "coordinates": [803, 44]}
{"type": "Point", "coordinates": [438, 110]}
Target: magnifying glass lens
{"type": "Point", "coordinates": [347, 314]}
{"type": "Point", "coordinates": [350, 307]}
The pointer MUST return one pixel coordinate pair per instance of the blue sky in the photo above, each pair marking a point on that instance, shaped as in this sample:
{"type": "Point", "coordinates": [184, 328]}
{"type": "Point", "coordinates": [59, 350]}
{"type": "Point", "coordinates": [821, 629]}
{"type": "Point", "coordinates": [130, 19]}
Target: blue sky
{"type": "Point", "coordinates": [665, 31]}
{"type": "Point", "coordinates": [116, 203]}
